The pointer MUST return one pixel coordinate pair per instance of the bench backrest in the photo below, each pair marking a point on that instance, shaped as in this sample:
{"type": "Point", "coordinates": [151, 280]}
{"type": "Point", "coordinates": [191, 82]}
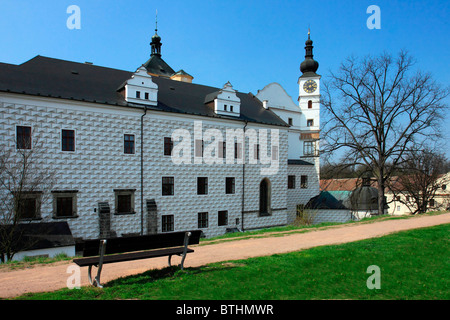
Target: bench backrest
{"type": "Point", "coordinates": [137, 243]}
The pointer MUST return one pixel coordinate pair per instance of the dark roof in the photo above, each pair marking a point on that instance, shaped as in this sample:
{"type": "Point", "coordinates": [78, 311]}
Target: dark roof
{"type": "Point", "coordinates": [299, 162]}
{"type": "Point", "coordinates": [48, 77]}
{"type": "Point", "coordinates": [157, 65]}
{"type": "Point", "coordinates": [32, 236]}
{"type": "Point", "coordinates": [329, 200]}
{"type": "Point", "coordinates": [55, 78]}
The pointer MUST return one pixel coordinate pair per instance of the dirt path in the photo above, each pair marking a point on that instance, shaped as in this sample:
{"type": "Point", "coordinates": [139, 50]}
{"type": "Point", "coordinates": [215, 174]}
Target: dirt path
{"type": "Point", "coordinates": [52, 277]}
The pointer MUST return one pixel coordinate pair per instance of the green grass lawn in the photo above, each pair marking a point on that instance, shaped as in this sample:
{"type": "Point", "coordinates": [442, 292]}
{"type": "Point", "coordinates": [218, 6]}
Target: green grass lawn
{"type": "Point", "coordinates": [414, 265]}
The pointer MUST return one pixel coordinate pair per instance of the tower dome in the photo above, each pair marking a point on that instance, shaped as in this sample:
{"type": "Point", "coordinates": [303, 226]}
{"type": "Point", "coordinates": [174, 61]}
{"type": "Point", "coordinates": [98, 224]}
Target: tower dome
{"type": "Point", "coordinates": [309, 64]}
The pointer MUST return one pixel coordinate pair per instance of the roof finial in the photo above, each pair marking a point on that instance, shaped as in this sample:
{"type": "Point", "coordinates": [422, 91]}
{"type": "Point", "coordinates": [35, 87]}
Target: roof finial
{"type": "Point", "coordinates": [156, 40]}
{"type": "Point", "coordinates": [309, 33]}
{"type": "Point", "coordinates": [156, 20]}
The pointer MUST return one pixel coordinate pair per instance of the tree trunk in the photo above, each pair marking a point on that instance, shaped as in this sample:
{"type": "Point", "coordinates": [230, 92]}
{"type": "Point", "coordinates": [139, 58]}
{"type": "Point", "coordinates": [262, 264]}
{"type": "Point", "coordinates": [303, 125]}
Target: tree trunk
{"type": "Point", "coordinates": [381, 202]}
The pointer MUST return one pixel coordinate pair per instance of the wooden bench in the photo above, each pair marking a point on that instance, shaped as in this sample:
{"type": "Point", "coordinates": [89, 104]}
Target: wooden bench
{"type": "Point", "coordinates": [102, 251]}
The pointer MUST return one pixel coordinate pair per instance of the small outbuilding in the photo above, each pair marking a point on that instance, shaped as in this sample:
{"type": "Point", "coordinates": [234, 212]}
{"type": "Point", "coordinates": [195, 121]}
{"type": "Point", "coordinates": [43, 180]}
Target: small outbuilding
{"type": "Point", "coordinates": [46, 239]}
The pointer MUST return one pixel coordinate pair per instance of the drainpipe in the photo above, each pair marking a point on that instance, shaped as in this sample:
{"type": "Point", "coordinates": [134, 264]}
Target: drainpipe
{"type": "Point", "coordinates": [142, 170]}
{"type": "Point", "coordinates": [243, 178]}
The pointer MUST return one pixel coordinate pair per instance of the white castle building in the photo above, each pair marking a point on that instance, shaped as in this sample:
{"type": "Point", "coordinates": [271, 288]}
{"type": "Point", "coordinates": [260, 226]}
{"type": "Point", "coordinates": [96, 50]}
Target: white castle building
{"type": "Point", "coordinates": [150, 152]}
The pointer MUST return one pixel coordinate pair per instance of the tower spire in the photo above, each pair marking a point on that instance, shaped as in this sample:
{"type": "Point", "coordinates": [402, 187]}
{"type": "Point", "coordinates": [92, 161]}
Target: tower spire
{"type": "Point", "coordinates": [309, 64]}
{"type": "Point", "coordinates": [156, 22]}
{"type": "Point", "coordinates": [156, 40]}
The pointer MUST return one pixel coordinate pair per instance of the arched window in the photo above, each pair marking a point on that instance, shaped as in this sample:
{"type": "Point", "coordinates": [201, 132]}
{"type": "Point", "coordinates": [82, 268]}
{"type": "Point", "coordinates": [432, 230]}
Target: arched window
{"type": "Point", "coordinates": [264, 198]}
{"type": "Point", "coordinates": [310, 104]}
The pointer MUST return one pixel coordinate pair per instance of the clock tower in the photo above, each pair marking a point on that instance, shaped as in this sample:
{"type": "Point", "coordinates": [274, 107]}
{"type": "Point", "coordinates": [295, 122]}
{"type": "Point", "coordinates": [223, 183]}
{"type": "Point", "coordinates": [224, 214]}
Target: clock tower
{"type": "Point", "coordinates": [309, 102]}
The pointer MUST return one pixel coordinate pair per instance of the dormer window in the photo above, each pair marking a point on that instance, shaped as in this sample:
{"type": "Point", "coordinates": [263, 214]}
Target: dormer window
{"type": "Point", "coordinates": [141, 89]}
{"type": "Point", "coordinates": [225, 101]}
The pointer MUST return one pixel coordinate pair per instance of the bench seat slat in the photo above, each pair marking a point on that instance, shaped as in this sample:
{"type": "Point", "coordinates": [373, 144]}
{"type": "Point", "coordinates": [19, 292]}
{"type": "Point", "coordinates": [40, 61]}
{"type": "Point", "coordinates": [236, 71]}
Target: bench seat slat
{"type": "Point", "coordinates": [82, 262]}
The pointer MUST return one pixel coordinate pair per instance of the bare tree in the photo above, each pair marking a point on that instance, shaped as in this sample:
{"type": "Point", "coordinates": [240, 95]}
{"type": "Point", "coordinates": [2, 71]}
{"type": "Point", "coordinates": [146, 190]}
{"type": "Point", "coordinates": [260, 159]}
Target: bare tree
{"type": "Point", "coordinates": [24, 185]}
{"type": "Point", "coordinates": [422, 176]}
{"type": "Point", "coordinates": [379, 108]}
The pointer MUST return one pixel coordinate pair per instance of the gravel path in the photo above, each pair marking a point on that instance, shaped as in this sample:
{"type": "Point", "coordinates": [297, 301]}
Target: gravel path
{"type": "Point", "coordinates": [54, 276]}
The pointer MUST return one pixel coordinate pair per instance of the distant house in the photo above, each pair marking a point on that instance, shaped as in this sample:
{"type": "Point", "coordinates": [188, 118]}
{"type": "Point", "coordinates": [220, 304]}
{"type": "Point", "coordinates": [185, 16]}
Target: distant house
{"type": "Point", "coordinates": [336, 197]}
{"type": "Point", "coordinates": [402, 202]}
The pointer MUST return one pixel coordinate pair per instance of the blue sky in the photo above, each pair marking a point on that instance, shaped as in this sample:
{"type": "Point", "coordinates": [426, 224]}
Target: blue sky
{"type": "Point", "coordinates": [249, 43]}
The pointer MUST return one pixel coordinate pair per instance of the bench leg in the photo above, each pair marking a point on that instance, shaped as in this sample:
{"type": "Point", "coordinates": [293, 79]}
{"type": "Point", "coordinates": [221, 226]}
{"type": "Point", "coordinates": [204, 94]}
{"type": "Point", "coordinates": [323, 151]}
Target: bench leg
{"type": "Point", "coordinates": [186, 242]}
{"type": "Point", "coordinates": [96, 281]}
{"type": "Point", "coordinates": [182, 262]}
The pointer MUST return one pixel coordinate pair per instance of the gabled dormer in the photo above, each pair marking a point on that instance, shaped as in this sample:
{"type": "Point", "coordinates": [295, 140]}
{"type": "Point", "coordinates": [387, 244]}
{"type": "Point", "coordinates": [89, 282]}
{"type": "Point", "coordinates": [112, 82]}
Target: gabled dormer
{"type": "Point", "coordinates": [225, 101]}
{"type": "Point", "coordinates": [141, 89]}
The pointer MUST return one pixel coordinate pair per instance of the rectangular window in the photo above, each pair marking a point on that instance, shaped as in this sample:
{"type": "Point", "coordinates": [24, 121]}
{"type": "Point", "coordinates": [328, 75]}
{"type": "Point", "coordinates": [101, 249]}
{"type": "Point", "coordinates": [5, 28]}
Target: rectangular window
{"type": "Point", "coordinates": [304, 182]}
{"type": "Point", "coordinates": [256, 151]}
{"type": "Point", "coordinates": [309, 122]}
{"type": "Point", "coordinates": [290, 121]}
{"type": "Point", "coordinates": [65, 204]}
{"type": "Point", "coordinates": [146, 96]}
{"type": "Point", "coordinates": [203, 219]}
{"type": "Point", "coordinates": [231, 108]}
{"type": "Point", "coordinates": [222, 149]}
{"type": "Point", "coordinates": [168, 146]}
{"type": "Point", "coordinates": [167, 186]}
{"type": "Point", "coordinates": [291, 182]}
{"type": "Point", "coordinates": [124, 201]}
{"type": "Point", "coordinates": [68, 140]}
{"type": "Point", "coordinates": [202, 185]}
{"type": "Point", "coordinates": [229, 185]}
{"type": "Point", "coordinates": [274, 152]}
{"type": "Point", "coordinates": [28, 206]}
{"type": "Point", "coordinates": [199, 148]}
{"type": "Point", "coordinates": [138, 94]}
{"type": "Point", "coordinates": [309, 148]}
{"type": "Point", "coordinates": [128, 143]}
{"type": "Point", "coordinates": [237, 150]}
{"type": "Point", "coordinates": [167, 223]}
{"type": "Point", "coordinates": [23, 136]}
{"type": "Point", "coordinates": [222, 218]}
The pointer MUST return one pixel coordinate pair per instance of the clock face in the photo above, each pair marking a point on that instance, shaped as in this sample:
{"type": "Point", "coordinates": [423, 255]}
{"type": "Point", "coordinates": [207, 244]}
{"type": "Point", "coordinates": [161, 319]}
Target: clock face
{"type": "Point", "coordinates": [310, 86]}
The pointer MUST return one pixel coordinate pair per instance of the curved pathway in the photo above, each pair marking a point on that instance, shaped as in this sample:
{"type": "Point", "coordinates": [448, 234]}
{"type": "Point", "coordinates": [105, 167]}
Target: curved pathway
{"type": "Point", "coordinates": [54, 276]}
